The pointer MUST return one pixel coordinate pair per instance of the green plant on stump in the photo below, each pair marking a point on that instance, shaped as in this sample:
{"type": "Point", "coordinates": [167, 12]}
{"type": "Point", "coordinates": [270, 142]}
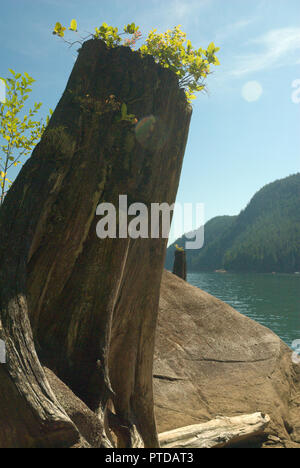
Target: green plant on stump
{"type": "Point", "coordinates": [126, 117]}
{"type": "Point", "coordinates": [170, 49]}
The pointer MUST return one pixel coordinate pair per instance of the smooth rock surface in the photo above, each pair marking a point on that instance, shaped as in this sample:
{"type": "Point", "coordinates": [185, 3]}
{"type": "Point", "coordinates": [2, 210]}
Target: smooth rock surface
{"type": "Point", "coordinates": [212, 361]}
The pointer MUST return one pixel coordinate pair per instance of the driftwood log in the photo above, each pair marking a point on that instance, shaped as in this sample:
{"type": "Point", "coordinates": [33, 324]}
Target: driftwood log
{"type": "Point", "coordinates": [86, 307]}
{"type": "Point", "coordinates": [217, 433]}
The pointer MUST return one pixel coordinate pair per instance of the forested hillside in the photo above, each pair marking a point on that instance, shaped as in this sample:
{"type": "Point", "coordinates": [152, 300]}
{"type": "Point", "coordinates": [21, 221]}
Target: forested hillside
{"type": "Point", "coordinates": [210, 252]}
{"type": "Point", "coordinates": [264, 237]}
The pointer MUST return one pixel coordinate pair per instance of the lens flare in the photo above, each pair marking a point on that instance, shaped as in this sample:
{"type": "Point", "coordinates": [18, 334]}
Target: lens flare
{"type": "Point", "coordinates": [151, 132]}
{"type": "Point", "coordinates": [144, 129]}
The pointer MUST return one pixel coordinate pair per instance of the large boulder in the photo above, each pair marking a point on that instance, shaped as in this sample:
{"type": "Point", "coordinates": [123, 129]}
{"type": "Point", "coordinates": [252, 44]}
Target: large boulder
{"type": "Point", "coordinates": [210, 360]}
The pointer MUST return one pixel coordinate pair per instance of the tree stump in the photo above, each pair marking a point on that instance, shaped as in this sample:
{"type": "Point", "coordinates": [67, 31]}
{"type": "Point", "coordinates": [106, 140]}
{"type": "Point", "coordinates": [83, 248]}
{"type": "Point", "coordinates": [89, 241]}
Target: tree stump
{"type": "Point", "coordinates": [87, 307]}
{"type": "Point", "coordinates": [179, 267]}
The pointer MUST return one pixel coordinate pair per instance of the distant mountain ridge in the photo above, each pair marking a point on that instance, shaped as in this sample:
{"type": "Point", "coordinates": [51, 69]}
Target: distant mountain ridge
{"type": "Point", "coordinates": [264, 237]}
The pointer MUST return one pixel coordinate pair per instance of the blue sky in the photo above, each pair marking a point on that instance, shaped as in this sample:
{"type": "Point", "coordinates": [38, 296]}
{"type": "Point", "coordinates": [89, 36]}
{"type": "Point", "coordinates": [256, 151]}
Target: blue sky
{"type": "Point", "coordinates": [242, 136]}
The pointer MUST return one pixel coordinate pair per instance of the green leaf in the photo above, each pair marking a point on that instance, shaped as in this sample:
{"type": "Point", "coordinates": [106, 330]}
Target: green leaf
{"type": "Point", "coordinates": [124, 110]}
{"type": "Point", "coordinates": [211, 48]}
{"type": "Point", "coordinates": [73, 25]}
{"type": "Point", "coordinates": [59, 30]}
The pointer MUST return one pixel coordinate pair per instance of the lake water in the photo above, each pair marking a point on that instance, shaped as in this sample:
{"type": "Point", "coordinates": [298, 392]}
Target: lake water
{"type": "Point", "coordinates": [272, 300]}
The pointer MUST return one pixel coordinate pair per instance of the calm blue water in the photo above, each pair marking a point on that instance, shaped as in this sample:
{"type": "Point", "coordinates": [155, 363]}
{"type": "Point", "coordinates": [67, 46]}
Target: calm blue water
{"type": "Point", "coordinates": [272, 300]}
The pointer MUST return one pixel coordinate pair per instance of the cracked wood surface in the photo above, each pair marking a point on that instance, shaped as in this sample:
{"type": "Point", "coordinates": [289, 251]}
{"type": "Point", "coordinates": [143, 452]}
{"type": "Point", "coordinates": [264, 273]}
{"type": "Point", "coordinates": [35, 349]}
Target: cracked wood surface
{"type": "Point", "coordinates": [218, 433]}
{"type": "Point", "coordinates": [85, 304]}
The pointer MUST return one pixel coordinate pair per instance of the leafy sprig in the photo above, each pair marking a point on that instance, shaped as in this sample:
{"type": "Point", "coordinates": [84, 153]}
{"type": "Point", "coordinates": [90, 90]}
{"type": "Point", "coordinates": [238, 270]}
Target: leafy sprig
{"type": "Point", "coordinates": [170, 49]}
{"type": "Point", "coordinates": [19, 133]}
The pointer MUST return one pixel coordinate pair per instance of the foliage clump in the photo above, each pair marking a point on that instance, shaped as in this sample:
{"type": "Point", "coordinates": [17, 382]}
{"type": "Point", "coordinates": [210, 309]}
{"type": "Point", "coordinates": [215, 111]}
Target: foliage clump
{"type": "Point", "coordinates": [170, 49]}
{"type": "Point", "coordinates": [19, 131]}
